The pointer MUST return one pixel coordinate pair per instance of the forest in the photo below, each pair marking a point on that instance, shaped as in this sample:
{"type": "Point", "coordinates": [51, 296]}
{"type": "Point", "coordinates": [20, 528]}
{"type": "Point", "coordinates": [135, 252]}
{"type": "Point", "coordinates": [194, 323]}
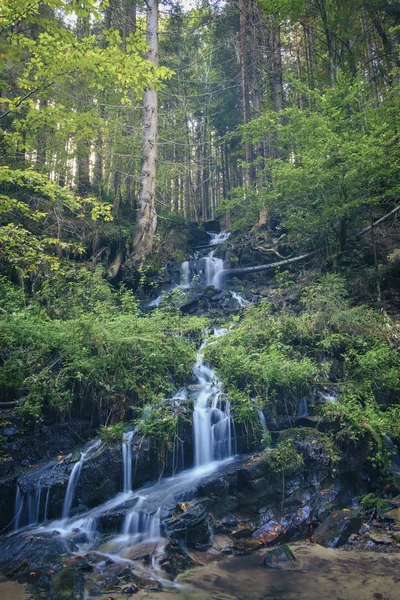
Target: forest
{"type": "Point", "coordinates": [199, 298]}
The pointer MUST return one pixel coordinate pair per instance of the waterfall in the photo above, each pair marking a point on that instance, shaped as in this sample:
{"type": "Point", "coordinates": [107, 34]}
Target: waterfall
{"type": "Point", "coordinates": [142, 525]}
{"type": "Point", "coordinates": [127, 460]}
{"type": "Point", "coordinates": [239, 299]}
{"type": "Point", "coordinates": [27, 506]}
{"type": "Point", "coordinates": [219, 238]}
{"type": "Point", "coordinates": [302, 409]}
{"type": "Point", "coordinates": [18, 508]}
{"type": "Point", "coordinates": [211, 417]}
{"type": "Point", "coordinates": [185, 275]}
{"type": "Point", "coordinates": [214, 268]}
{"type": "Point", "coordinates": [74, 478]}
{"type": "Point", "coordinates": [263, 422]}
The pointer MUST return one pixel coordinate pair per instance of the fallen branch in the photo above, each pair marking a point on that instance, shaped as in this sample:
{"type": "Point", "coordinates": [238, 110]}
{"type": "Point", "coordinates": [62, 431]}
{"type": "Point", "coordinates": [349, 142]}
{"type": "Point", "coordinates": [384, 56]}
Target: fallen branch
{"type": "Point", "coordinates": [270, 265]}
{"type": "Point", "coordinates": [392, 212]}
{"type": "Point", "coordinates": [264, 249]}
{"type": "Point", "coordinates": [281, 263]}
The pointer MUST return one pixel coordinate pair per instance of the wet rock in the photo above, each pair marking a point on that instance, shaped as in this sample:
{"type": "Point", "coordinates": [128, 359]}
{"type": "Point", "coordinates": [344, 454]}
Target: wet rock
{"type": "Point", "coordinates": [337, 528]}
{"type": "Point", "coordinates": [175, 560]}
{"type": "Point", "coordinates": [241, 533]}
{"type": "Point", "coordinates": [192, 524]}
{"type": "Point", "coordinates": [68, 583]}
{"type": "Point", "coordinates": [132, 589]}
{"type": "Point", "coordinates": [29, 552]}
{"type": "Point", "coordinates": [278, 556]}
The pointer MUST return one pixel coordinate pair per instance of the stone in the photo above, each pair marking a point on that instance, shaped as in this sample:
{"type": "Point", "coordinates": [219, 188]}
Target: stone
{"type": "Point", "coordinates": [244, 532]}
{"type": "Point", "coordinates": [379, 537]}
{"type": "Point", "coordinates": [337, 528]}
{"type": "Point", "coordinates": [394, 515]}
{"type": "Point", "coordinates": [278, 556]}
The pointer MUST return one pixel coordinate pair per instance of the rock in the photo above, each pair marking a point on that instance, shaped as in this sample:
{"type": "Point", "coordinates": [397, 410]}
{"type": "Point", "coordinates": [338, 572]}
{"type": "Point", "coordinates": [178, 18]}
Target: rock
{"type": "Point", "coordinates": [175, 560]}
{"type": "Point", "coordinates": [379, 537]}
{"type": "Point", "coordinates": [192, 525]}
{"type": "Point", "coordinates": [244, 532]}
{"type": "Point", "coordinates": [132, 589]}
{"type": "Point", "coordinates": [394, 515]}
{"type": "Point", "coordinates": [337, 528]}
{"type": "Point", "coordinates": [68, 583]}
{"type": "Point", "coordinates": [278, 556]}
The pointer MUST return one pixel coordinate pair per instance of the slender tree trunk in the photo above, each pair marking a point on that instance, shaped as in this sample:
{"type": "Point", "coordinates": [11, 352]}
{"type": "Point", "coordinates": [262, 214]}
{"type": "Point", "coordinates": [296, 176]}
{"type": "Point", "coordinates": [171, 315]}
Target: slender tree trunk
{"type": "Point", "coordinates": [249, 176]}
{"type": "Point", "coordinates": [146, 220]}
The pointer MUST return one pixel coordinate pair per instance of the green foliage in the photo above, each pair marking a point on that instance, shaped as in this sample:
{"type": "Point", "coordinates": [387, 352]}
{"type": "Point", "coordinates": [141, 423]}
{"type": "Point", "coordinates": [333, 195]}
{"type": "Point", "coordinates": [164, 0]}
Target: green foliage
{"type": "Point", "coordinates": [112, 433]}
{"type": "Point", "coordinates": [370, 501]}
{"type": "Point", "coordinates": [160, 424]}
{"type": "Point", "coordinates": [98, 360]}
{"type": "Point", "coordinates": [296, 445]}
{"type": "Point", "coordinates": [363, 423]}
{"type": "Point", "coordinates": [32, 203]}
{"type": "Point", "coordinates": [283, 458]}
{"type": "Point", "coordinates": [337, 161]}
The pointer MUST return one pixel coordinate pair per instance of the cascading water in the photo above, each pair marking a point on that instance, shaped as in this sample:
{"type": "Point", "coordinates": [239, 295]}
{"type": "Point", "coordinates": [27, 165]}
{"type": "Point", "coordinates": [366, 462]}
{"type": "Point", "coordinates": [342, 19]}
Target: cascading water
{"type": "Point", "coordinates": [211, 417]}
{"type": "Point", "coordinates": [219, 238]}
{"type": "Point", "coordinates": [185, 275]}
{"type": "Point", "coordinates": [27, 508]}
{"type": "Point", "coordinates": [302, 409]}
{"type": "Point", "coordinates": [127, 460]}
{"type": "Point", "coordinates": [262, 420]}
{"type": "Point", "coordinates": [214, 268]}
{"type": "Point", "coordinates": [74, 478]}
{"type": "Point", "coordinates": [214, 439]}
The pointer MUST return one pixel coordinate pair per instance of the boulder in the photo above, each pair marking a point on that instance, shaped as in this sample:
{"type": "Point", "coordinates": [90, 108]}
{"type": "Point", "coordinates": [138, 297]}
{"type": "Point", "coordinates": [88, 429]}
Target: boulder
{"type": "Point", "coordinates": [337, 528]}
{"type": "Point", "coordinates": [278, 557]}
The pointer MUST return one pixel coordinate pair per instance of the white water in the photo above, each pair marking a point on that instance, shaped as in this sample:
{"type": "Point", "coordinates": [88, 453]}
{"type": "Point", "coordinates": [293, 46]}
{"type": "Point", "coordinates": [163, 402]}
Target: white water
{"type": "Point", "coordinates": [27, 507]}
{"type": "Point", "coordinates": [219, 238]}
{"type": "Point", "coordinates": [239, 299]}
{"type": "Point", "coordinates": [74, 478]}
{"type": "Point", "coordinates": [262, 420]}
{"type": "Point", "coordinates": [302, 409]}
{"type": "Point", "coordinates": [185, 275]}
{"type": "Point", "coordinates": [213, 441]}
{"type": "Point", "coordinates": [214, 269]}
{"type": "Point", "coordinates": [127, 460]}
{"type": "Point", "coordinates": [211, 416]}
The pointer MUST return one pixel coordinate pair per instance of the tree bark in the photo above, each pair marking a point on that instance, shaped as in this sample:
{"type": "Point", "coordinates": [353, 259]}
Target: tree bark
{"type": "Point", "coordinates": [146, 220]}
{"type": "Point", "coordinates": [249, 177]}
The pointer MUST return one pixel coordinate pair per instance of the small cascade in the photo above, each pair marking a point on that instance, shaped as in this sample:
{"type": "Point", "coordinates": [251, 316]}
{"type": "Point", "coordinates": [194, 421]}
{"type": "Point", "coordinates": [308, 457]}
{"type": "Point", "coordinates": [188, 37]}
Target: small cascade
{"type": "Point", "coordinates": [156, 302]}
{"type": "Point", "coordinates": [219, 238]}
{"type": "Point", "coordinates": [185, 275]}
{"type": "Point", "coordinates": [262, 420]}
{"type": "Point", "coordinates": [327, 397]}
{"type": "Point", "coordinates": [27, 506]}
{"type": "Point", "coordinates": [141, 525]}
{"type": "Point", "coordinates": [302, 409]}
{"type": "Point", "coordinates": [74, 478]}
{"type": "Point", "coordinates": [18, 508]}
{"type": "Point", "coordinates": [239, 299]}
{"type": "Point", "coordinates": [178, 456]}
{"type": "Point", "coordinates": [214, 269]}
{"type": "Point", "coordinates": [212, 425]}
{"type": "Point", "coordinates": [127, 460]}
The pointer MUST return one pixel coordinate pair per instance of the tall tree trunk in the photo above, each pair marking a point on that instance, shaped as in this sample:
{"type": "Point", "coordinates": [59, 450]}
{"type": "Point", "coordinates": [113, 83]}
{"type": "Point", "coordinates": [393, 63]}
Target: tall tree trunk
{"type": "Point", "coordinates": [83, 147]}
{"type": "Point", "coordinates": [249, 176]}
{"type": "Point", "coordinates": [146, 219]}
{"type": "Point", "coordinates": [277, 65]}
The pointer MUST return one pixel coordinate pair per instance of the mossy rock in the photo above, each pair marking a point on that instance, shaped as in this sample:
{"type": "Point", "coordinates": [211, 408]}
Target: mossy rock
{"type": "Point", "coordinates": [278, 556]}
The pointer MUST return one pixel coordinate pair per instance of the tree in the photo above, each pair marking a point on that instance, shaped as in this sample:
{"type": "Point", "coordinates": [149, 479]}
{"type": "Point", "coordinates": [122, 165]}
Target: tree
{"type": "Point", "coordinates": [146, 220]}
